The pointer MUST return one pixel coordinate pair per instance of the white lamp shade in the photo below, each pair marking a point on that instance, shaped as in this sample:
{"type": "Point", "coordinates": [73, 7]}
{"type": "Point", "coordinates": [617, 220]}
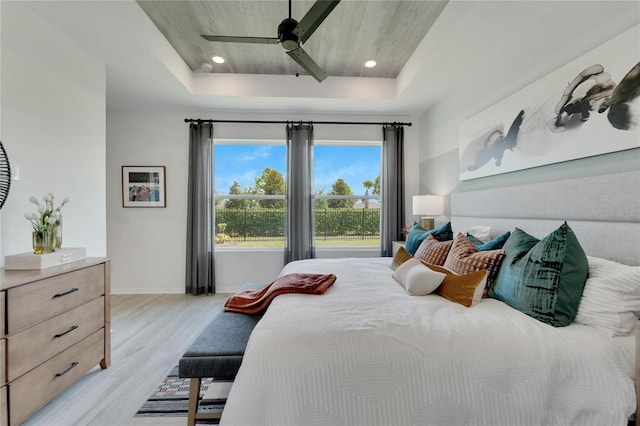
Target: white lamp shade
{"type": "Point", "coordinates": [432, 205]}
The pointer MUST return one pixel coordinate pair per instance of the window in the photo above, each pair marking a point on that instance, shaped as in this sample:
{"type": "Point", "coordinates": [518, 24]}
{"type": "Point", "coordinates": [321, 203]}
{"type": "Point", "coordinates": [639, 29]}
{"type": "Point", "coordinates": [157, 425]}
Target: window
{"type": "Point", "coordinates": [347, 194]}
{"type": "Point", "coordinates": [250, 201]}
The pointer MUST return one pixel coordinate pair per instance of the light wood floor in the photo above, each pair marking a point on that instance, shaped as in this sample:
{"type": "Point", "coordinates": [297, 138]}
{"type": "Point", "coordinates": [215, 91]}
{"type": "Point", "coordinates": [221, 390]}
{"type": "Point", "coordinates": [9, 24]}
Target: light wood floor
{"type": "Point", "coordinates": [149, 334]}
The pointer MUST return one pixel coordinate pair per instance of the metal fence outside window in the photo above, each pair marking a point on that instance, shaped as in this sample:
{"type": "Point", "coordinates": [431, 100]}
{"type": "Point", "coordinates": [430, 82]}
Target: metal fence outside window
{"type": "Point", "coordinates": [261, 224]}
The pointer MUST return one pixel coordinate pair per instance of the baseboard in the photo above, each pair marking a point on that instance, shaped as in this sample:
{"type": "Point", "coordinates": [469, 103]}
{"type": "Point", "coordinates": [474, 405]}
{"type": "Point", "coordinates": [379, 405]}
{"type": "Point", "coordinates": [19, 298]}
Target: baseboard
{"type": "Point", "coordinates": [146, 291]}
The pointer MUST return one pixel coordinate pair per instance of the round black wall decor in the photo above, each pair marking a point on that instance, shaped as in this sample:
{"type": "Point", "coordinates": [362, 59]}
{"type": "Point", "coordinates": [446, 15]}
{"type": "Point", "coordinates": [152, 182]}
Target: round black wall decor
{"type": "Point", "coordinates": [5, 175]}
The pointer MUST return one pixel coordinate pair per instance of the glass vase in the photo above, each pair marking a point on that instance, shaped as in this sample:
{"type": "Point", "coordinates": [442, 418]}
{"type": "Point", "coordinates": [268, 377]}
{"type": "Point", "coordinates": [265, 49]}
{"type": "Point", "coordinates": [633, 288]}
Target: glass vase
{"type": "Point", "coordinates": [38, 241]}
{"type": "Point", "coordinates": [58, 233]}
{"type": "Point", "coordinates": [50, 240]}
{"type": "Point", "coordinates": [43, 241]}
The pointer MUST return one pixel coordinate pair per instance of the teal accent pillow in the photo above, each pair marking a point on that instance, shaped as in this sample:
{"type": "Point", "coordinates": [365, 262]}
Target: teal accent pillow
{"type": "Point", "coordinates": [494, 244]}
{"type": "Point", "coordinates": [417, 234]}
{"type": "Point", "coordinates": [473, 240]}
{"type": "Point", "coordinates": [543, 278]}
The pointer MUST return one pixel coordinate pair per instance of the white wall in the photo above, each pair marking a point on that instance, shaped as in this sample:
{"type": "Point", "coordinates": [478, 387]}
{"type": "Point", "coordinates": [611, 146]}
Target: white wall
{"type": "Point", "coordinates": [53, 114]}
{"type": "Point", "coordinates": [148, 246]}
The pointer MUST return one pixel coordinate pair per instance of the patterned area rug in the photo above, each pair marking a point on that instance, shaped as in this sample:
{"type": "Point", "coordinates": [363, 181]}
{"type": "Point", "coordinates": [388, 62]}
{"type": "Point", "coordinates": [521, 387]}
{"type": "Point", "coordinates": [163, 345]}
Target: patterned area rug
{"type": "Point", "coordinates": [171, 397]}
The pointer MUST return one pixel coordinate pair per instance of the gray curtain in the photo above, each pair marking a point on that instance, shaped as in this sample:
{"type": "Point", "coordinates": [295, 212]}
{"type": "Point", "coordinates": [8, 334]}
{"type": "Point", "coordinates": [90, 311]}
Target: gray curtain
{"type": "Point", "coordinates": [392, 191]}
{"type": "Point", "coordinates": [299, 226]}
{"type": "Point", "coordinates": [200, 277]}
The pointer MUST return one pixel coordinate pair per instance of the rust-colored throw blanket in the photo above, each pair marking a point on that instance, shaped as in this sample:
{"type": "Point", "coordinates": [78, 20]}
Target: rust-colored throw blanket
{"type": "Point", "coordinates": [254, 301]}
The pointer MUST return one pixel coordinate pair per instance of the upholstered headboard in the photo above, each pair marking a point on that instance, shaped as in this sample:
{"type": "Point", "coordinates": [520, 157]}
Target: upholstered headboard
{"type": "Point", "coordinates": [603, 211]}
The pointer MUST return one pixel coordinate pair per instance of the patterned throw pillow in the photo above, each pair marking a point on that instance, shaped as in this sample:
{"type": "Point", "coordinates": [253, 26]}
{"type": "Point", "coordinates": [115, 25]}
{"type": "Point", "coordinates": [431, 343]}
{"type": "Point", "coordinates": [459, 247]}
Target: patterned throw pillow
{"type": "Point", "coordinates": [417, 234]}
{"type": "Point", "coordinates": [464, 257]}
{"type": "Point", "coordinates": [543, 278]}
{"type": "Point", "coordinates": [433, 251]}
{"type": "Point", "coordinates": [399, 258]}
{"type": "Point", "coordinates": [464, 289]}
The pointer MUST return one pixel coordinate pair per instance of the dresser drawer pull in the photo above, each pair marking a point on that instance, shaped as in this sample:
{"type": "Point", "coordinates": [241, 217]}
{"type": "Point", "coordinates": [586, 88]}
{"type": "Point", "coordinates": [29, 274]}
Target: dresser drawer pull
{"type": "Point", "coordinates": [73, 327]}
{"type": "Point", "coordinates": [73, 290]}
{"type": "Point", "coordinates": [62, 373]}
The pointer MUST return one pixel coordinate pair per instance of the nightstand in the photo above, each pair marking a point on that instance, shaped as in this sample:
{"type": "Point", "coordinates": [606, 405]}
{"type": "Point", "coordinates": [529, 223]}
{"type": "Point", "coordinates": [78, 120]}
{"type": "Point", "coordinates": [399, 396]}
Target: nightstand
{"type": "Point", "coordinates": [395, 246]}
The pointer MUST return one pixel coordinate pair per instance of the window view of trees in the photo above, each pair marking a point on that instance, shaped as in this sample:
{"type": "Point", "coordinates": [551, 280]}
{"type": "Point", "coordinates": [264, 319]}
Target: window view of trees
{"type": "Point", "coordinates": [271, 183]}
{"type": "Point", "coordinates": [254, 215]}
{"type": "Point", "coordinates": [340, 187]}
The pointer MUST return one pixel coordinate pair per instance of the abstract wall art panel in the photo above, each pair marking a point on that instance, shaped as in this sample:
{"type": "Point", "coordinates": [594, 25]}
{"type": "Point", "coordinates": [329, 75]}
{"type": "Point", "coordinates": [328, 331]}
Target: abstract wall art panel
{"type": "Point", "coordinates": [588, 107]}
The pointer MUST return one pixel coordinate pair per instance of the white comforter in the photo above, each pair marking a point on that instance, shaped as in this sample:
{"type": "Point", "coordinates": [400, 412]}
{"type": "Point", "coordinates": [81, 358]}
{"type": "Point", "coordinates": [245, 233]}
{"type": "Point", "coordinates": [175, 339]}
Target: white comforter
{"type": "Point", "coordinates": [366, 353]}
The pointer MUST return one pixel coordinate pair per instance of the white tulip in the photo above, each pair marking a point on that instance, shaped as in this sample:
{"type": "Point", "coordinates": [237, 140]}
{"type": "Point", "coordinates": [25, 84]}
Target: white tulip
{"type": "Point", "coordinates": [47, 213]}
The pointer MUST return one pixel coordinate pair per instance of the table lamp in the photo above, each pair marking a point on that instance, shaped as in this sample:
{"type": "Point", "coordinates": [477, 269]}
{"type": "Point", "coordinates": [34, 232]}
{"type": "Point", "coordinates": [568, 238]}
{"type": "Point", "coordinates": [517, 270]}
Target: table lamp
{"type": "Point", "coordinates": [428, 206]}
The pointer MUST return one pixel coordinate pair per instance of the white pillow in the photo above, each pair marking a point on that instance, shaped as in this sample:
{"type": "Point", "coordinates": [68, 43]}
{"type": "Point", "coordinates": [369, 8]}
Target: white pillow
{"type": "Point", "coordinates": [480, 232]}
{"type": "Point", "coordinates": [417, 278]}
{"type": "Point", "coordinates": [611, 297]}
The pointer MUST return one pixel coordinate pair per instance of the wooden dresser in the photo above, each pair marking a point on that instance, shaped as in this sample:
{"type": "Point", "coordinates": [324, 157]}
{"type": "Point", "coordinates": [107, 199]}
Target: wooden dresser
{"type": "Point", "coordinates": [54, 327]}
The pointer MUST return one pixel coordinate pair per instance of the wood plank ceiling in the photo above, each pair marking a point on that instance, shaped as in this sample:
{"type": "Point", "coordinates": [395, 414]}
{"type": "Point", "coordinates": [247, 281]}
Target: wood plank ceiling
{"type": "Point", "coordinates": [356, 31]}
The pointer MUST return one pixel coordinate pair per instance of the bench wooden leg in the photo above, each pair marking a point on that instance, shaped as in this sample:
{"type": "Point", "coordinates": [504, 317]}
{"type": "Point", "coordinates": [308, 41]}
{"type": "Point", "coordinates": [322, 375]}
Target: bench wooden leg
{"type": "Point", "coordinates": [194, 397]}
{"type": "Point", "coordinates": [194, 402]}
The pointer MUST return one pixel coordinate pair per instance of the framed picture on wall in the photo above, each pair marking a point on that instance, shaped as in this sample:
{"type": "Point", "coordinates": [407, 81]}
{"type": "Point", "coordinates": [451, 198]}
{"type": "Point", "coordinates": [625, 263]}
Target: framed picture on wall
{"type": "Point", "coordinates": [143, 186]}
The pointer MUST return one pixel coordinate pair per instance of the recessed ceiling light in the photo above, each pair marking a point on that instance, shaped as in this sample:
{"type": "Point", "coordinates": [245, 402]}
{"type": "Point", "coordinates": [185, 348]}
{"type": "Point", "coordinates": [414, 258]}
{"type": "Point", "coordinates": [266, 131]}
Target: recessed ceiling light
{"type": "Point", "coordinates": [370, 63]}
{"type": "Point", "coordinates": [218, 59]}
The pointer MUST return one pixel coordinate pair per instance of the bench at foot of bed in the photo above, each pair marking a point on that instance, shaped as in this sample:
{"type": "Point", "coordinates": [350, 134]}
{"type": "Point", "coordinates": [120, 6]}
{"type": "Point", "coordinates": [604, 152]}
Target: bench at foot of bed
{"type": "Point", "coordinates": [216, 353]}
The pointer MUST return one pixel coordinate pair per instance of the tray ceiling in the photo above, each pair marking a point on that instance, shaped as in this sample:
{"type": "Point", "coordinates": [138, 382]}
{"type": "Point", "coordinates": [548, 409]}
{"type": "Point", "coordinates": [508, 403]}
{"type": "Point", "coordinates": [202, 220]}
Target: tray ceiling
{"type": "Point", "coordinates": [356, 31]}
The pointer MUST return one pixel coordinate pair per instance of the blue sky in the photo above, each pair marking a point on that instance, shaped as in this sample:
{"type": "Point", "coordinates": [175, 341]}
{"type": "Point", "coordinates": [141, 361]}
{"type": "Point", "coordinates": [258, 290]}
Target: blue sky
{"type": "Point", "coordinates": [243, 163]}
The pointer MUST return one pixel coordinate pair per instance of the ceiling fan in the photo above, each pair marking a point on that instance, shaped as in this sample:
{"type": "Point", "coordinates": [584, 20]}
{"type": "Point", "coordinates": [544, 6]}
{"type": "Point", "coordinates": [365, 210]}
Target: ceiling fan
{"type": "Point", "coordinates": [291, 33]}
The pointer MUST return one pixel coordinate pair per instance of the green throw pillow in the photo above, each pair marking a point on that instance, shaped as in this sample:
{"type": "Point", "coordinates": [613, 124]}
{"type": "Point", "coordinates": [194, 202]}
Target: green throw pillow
{"type": "Point", "coordinates": [417, 234]}
{"type": "Point", "coordinates": [543, 278]}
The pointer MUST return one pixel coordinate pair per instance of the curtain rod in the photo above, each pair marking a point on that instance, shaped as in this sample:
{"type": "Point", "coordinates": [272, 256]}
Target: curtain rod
{"type": "Point", "coordinates": [198, 120]}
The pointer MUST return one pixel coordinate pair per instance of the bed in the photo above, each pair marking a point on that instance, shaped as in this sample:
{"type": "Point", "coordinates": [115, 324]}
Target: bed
{"type": "Point", "coordinates": [368, 353]}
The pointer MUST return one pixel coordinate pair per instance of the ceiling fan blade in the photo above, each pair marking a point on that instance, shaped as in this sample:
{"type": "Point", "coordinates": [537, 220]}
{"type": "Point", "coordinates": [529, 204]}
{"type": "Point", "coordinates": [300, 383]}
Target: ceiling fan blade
{"type": "Point", "coordinates": [314, 17]}
{"type": "Point", "coordinates": [305, 61]}
{"type": "Point", "coordinates": [233, 39]}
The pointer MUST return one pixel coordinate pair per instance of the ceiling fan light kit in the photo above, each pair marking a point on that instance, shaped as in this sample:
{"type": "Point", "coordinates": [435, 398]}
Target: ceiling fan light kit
{"type": "Point", "coordinates": [291, 34]}
{"type": "Point", "coordinates": [286, 36]}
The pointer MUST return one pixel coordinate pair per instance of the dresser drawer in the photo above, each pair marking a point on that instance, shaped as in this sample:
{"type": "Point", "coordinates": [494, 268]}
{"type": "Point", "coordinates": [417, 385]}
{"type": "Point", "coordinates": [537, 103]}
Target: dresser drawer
{"type": "Point", "coordinates": [33, 346]}
{"type": "Point", "coordinates": [2, 311]}
{"type": "Point", "coordinates": [40, 385]}
{"type": "Point", "coordinates": [33, 303]}
{"type": "Point", "coordinates": [4, 412]}
{"type": "Point", "coordinates": [3, 362]}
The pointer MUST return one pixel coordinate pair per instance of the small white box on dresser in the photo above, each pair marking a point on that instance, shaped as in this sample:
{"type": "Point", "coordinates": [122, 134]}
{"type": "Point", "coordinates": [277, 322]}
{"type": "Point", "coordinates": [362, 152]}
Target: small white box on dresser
{"type": "Point", "coordinates": [45, 260]}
